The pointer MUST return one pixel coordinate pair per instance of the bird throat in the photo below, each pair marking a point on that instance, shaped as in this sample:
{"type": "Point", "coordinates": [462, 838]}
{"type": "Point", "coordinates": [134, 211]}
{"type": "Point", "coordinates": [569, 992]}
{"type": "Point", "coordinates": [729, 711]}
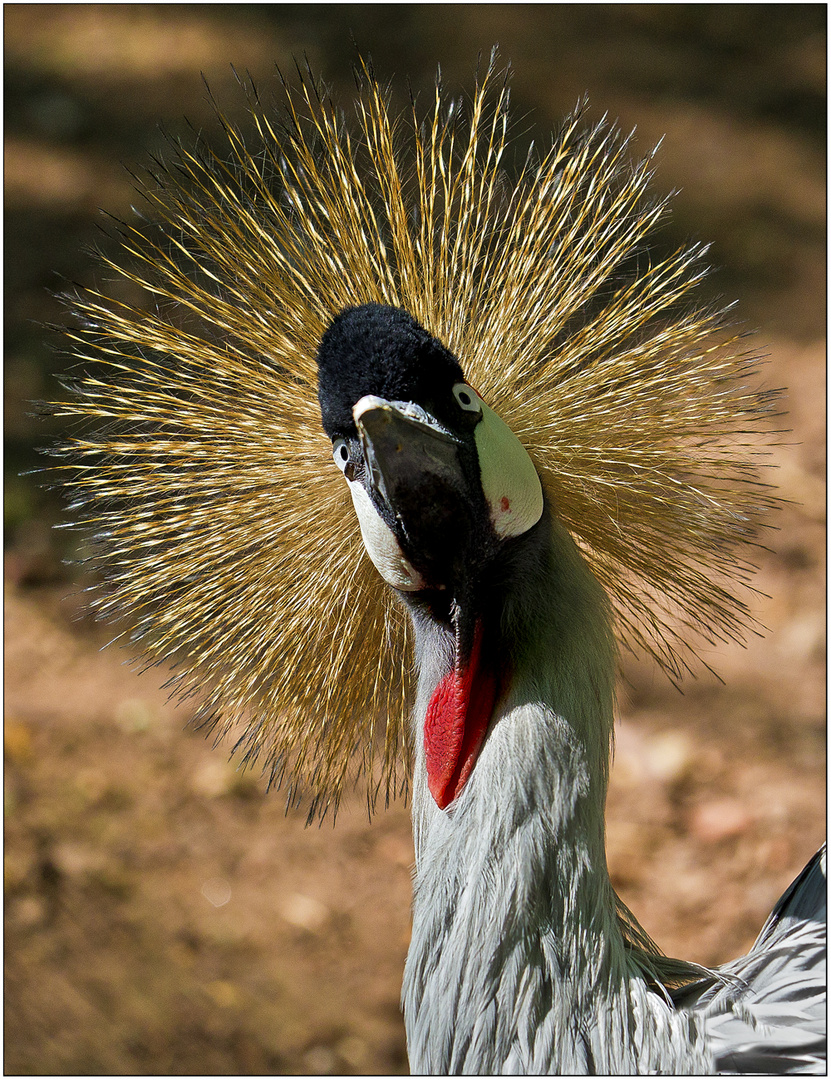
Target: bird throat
{"type": "Point", "coordinates": [457, 719]}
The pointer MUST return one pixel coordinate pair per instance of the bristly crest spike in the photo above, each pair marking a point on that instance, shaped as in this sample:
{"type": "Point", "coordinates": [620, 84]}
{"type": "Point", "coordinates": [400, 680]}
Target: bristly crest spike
{"type": "Point", "coordinates": [225, 538]}
{"type": "Point", "coordinates": [363, 68]}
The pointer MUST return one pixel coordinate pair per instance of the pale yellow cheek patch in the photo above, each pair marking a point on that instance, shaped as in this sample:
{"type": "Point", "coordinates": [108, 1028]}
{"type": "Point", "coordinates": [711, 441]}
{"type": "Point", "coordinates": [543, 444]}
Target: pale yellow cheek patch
{"type": "Point", "coordinates": [381, 544]}
{"type": "Point", "coordinates": [509, 480]}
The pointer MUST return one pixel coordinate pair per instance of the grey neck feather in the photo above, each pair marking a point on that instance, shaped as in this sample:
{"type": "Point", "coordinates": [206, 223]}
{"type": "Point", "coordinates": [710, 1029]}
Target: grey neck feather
{"type": "Point", "coordinates": [518, 961]}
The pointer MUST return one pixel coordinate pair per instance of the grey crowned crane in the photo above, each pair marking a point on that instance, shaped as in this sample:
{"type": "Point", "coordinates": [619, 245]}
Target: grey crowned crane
{"type": "Point", "coordinates": [522, 960]}
{"type": "Point", "coordinates": [548, 451]}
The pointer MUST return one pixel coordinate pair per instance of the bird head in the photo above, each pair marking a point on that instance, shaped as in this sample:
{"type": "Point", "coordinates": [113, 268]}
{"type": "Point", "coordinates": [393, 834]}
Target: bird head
{"type": "Point", "coordinates": [439, 482]}
{"type": "Point", "coordinates": [436, 477]}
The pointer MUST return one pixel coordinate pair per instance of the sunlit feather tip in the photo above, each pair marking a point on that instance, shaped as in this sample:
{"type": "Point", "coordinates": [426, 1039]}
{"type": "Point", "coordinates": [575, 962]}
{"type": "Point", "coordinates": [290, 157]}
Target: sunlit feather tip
{"type": "Point", "coordinates": [223, 535]}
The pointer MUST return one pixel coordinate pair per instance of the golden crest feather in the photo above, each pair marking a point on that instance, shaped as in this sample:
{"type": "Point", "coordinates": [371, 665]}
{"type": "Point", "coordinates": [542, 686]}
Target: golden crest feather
{"type": "Point", "coordinates": [224, 535]}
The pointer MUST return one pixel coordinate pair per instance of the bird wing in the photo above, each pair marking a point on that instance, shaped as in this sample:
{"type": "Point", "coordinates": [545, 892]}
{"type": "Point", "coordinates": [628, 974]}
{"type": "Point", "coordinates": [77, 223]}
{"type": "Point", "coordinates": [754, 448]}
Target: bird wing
{"type": "Point", "coordinates": [767, 1014]}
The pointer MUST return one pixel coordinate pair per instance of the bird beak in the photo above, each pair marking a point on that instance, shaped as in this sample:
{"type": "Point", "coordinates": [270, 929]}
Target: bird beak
{"type": "Point", "coordinates": [416, 469]}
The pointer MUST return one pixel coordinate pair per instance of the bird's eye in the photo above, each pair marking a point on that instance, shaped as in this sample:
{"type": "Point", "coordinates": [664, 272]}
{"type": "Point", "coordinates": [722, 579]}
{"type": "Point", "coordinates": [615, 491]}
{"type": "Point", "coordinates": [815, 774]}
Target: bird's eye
{"type": "Point", "coordinates": [467, 397]}
{"type": "Point", "coordinates": [340, 452]}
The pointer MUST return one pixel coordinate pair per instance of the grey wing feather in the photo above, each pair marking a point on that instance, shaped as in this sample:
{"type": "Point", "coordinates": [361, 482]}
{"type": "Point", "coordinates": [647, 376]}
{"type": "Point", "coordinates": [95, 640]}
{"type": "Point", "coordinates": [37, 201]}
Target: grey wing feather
{"type": "Point", "coordinates": [767, 1013]}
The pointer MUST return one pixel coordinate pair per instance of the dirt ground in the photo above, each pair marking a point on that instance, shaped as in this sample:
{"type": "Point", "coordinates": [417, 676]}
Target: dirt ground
{"type": "Point", "coordinates": [163, 914]}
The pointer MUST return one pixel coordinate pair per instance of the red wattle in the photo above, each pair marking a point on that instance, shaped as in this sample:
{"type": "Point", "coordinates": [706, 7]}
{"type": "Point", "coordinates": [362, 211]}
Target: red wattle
{"type": "Point", "coordinates": [454, 728]}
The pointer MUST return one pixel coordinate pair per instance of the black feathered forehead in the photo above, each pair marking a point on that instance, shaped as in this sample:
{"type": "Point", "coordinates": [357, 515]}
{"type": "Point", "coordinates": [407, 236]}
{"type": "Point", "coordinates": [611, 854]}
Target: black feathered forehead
{"type": "Point", "coordinates": [382, 350]}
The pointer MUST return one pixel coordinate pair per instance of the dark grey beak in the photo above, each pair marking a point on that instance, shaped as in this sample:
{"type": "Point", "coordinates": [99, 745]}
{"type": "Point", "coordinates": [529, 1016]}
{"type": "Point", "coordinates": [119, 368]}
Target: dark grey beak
{"type": "Point", "coordinates": [419, 476]}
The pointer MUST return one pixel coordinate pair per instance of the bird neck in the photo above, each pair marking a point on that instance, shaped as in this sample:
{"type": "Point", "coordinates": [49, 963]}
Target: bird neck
{"type": "Point", "coordinates": [513, 909]}
{"type": "Point", "coordinates": [545, 759]}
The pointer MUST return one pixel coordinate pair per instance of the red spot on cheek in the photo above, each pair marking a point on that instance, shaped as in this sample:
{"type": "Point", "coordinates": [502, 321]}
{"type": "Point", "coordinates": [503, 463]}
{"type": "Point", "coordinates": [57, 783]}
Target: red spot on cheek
{"type": "Point", "coordinates": [505, 504]}
{"type": "Point", "coordinates": [455, 726]}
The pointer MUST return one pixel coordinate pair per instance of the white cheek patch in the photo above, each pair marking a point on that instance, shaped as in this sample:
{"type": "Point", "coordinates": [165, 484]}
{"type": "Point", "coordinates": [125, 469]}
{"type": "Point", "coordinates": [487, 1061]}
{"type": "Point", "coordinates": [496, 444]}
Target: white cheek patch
{"type": "Point", "coordinates": [381, 544]}
{"type": "Point", "coordinates": [509, 480]}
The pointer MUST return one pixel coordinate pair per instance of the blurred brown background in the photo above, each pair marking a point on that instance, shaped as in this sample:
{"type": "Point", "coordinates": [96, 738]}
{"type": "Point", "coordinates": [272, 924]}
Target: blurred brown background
{"type": "Point", "coordinates": [162, 914]}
